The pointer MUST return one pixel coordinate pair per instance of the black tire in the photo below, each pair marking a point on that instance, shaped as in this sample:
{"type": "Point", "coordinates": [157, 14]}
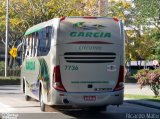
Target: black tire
{"type": "Point", "coordinates": [27, 98]}
{"type": "Point", "coordinates": [42, 105]}
{"type": "Point", "coordinates": [23, 86]}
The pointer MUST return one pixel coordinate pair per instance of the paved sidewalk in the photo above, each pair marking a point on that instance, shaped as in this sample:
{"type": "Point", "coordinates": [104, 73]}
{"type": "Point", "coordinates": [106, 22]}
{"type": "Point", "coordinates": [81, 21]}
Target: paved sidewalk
{"type": "Point", "coordinates": [133, 88]}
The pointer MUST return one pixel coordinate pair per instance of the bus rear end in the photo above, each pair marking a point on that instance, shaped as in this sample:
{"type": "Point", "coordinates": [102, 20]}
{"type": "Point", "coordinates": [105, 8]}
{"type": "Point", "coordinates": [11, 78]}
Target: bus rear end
{"type": "Point", "coordinates": [90, 68]}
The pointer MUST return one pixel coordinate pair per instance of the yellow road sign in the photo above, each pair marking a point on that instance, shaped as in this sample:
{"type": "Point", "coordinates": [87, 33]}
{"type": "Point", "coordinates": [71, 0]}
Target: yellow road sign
{"type": "Point", "coordinates": [13, 52]}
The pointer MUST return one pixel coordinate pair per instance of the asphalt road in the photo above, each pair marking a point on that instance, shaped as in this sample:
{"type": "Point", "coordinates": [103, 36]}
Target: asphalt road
{"type": "Point", "coordinates": [13, 105]}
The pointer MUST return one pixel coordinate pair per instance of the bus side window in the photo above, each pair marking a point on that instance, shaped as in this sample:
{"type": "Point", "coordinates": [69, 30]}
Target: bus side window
{"type": "Point", "coordinates": [33, 44]}
{"type": "Point", "coordinates": [30, 45]}
{"type": "Point", "coordinates": [36, 44]}
{"type": "Point", "coordinates": [27, 46]}
{"type": "Point", "coordinates": [48, 39]}
{"type": "Point", "coordinates": [44, 37]}
{"type": "Point", "coordinates": [43, 43]}
{"type": "Point", "coordinates": [24, 47]}
{"type": "Point", "coordinates": [40, 43]}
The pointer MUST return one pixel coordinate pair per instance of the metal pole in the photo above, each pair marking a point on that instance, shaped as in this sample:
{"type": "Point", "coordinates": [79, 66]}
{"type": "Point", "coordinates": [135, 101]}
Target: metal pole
{"type": "Point", "coordinates": [99, 7]}
{"type": "Point", "coordinates": [6, 42]}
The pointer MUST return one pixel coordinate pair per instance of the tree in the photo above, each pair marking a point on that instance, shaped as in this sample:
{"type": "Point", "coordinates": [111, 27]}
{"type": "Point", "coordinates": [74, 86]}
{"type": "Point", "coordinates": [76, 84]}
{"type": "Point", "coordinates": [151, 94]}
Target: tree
{"type": "Point", "coordinates": [122, 11]}
{"type": "Point", "coordinates": [149, 77]}
{"type": "Point", "coordinates": [147, 20]}
{"type": "Point", "coordinates": [141, 47]}
{"type": "Point", "coordinates": [26, 13]}
{"type": "Point", "coordinates": [155, 51]}
{"type": "Point", "coordinates": [137, 17]}
{"type": "Point", "coordinates": [148, 12]}
{"type": "Point", "coordinates": [2, 16]}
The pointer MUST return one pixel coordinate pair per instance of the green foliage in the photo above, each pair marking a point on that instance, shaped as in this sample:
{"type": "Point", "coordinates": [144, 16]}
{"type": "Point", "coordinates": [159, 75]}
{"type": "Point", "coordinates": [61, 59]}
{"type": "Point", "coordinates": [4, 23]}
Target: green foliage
{"type": "Point", "coordinates": [9, 80]}
{"type": "Point", "coordinates": [26, 13]}
{"type": "Point", "coordinates": [151, 78]}
{"type": "Point", "coordinates": [120, 10]}
{"type": "Point", "coordinates": [146, 97]}
{"type": "Point", "coordinates": [142, 78]}
{"type": "Point", "coordinates": [155, 51]}
{"type": "Point", "coordinates": [2, 16]}
{"type": "Point", "coordinates": [148, 11]}
{"type": "Point", "coordinates": [2, 65]}
{"type": "Point", "coordinates": [139, 46]}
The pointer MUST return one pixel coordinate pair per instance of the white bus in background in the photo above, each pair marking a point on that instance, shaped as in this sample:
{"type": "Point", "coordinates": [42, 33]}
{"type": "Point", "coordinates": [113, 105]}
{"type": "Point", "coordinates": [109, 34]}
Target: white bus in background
{"type": "Point", "coordinates": [74, 61]}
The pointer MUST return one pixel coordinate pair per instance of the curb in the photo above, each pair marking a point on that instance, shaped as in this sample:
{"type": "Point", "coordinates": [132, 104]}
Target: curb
{"type": "Point", "coordinates": [142, 103]}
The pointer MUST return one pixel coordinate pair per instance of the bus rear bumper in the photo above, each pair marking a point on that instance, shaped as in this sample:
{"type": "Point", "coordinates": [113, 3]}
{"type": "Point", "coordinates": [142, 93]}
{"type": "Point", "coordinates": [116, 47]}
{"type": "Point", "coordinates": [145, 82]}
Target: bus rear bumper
{"type": "Point", "coordinates": [93, 99]}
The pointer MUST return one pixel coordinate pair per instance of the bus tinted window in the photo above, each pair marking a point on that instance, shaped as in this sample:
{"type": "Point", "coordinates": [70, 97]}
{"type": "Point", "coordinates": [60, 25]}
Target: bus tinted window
{"type": "Point", "coordinates": [38, 43]}
{"type": "Point", "coordinates": [30, 44]}
{"type": "Point", "coordinates": [27, 46]}
{"type": "Point", "coordinates": [44, 41]}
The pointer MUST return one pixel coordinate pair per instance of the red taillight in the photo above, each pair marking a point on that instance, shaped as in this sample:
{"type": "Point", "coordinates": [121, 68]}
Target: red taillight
{"type": "Point", "coordinates": [57, 83]}
{"type": "Point", "coordinates": [119, 85]}
{"type": "Point", "coordinates": [116, 19]}
{"type": "Point", "coordinates": [62, 18]}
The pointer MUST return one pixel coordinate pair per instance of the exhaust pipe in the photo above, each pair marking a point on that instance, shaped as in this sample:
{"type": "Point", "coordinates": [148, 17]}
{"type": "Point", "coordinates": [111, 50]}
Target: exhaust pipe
{"type": "Point", "coordinates": [65, 101]}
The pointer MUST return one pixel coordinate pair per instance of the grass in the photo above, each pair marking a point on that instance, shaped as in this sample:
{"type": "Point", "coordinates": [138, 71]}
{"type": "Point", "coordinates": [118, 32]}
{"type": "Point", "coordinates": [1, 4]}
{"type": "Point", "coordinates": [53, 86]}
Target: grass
{"type": "Point", "coordinates": [9, 80]}
{"type": "Point", "coordinates": [143, 97]}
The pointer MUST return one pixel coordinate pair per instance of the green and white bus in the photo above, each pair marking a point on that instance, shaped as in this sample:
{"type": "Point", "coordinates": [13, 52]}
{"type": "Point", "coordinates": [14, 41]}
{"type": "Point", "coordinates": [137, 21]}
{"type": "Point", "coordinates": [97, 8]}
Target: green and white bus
{"type": "Point", "coordinates": [74, 61]}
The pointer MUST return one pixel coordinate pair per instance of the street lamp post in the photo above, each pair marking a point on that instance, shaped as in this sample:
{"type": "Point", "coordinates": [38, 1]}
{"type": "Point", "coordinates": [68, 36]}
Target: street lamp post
{"type": "Point", "coordinates": [6, 42]}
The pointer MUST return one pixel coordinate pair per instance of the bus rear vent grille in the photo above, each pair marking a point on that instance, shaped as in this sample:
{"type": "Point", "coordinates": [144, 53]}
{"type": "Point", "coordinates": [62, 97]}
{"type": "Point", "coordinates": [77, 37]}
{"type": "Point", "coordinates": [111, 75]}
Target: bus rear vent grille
{"type": "Point", "coordinates": [89, 57]}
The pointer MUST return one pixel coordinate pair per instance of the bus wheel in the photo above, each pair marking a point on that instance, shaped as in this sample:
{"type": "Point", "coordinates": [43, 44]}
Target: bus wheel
{"type": "Point", "coordinates": [27, 98]}
{"type": "Point", "coordinates": [42, 105]}
{"type": "Point", "coordinates": [23, 86]}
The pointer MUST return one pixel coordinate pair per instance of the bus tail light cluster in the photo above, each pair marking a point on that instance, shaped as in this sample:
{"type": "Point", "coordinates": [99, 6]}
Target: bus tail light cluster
{"type": "Point", "coordinates": [115, 19]}
{"type": "Point", "coordinates": [62, 18]}
{"type": "Point", "coordinates": [119, 85]}
{"type": "Point", "coordinates": [57, 83]}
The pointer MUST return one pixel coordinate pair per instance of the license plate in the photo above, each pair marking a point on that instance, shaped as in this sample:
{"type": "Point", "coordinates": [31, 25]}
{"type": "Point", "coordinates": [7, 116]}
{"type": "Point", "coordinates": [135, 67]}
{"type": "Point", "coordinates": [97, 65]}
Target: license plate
{"type": "Point", "coordinates": [89, 98]}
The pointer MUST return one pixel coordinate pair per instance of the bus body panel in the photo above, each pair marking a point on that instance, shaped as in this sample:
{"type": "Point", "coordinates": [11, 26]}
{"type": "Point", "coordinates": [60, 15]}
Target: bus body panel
{"type": "Point", "coordinates": [29, 73]}
{"type": "Point", "coordinates": [85, 76]}
{"type": "Point", "coordinates": [105, 30]}
{"type": "Point", "coordinates": [89, 53]}
{"type": "Point", "coordinates": [100, 98]}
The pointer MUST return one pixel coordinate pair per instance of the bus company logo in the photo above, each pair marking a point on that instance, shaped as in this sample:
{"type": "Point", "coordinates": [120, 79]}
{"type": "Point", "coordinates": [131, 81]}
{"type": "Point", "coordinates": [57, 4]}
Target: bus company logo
{"type": "Point", "coordinates": [88, 26]}
{"type": "Point", "coordinates": [89, 34]}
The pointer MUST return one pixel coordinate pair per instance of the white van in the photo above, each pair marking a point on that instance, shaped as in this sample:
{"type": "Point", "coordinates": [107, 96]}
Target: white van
{"type": "Point", "coordinates": [75, 61]}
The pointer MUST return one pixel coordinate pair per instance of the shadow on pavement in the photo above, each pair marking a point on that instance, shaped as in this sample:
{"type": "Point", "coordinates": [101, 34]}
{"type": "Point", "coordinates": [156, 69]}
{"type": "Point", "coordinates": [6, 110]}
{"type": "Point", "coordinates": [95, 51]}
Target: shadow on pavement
{"type": "Point", "coordinates": [145, 102]}
{"type": "Point", "coordinates": [86, 114]}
